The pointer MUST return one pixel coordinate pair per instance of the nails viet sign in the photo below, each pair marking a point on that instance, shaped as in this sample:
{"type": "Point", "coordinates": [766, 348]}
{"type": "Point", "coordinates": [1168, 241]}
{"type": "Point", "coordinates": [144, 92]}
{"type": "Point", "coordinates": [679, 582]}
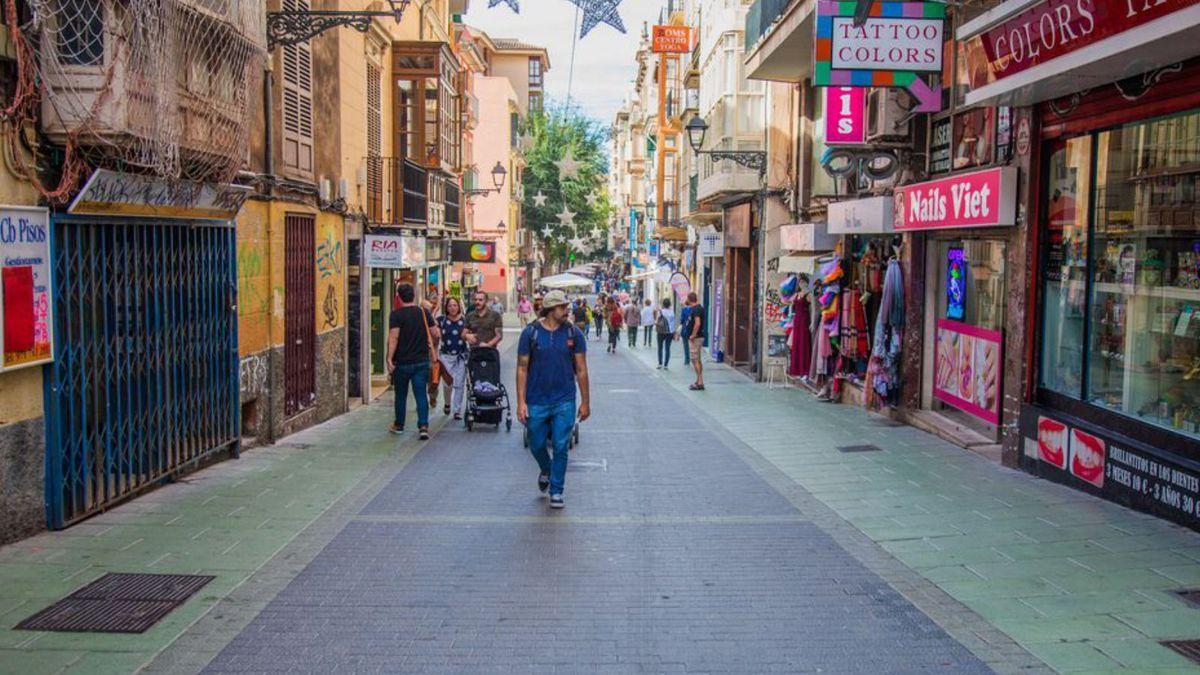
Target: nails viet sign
{"type": "Point", "coordinates": [980, 199]}
{"type": "Point", "coordinates": [897, 41]}
{"type": "Point", "coordinates": [1057, 27]}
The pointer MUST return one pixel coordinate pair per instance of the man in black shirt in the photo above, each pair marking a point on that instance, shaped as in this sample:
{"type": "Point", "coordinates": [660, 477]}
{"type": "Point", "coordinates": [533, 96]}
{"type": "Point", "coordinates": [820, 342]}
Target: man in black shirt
{"type": "Point", "coordinates": [413, 337]}
{"type": "Point", "coordinates": [695, 338]}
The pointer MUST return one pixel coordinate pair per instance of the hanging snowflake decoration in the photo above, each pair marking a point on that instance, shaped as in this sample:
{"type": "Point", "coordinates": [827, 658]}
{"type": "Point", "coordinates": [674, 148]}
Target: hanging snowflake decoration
{"type": "Point", "coordinates": [540, 199]}
{"type": "Point", "coordinates": [567, 167]}
{"type": "Point", "coordinates": [514, 4]}
{"type": "Point", "coordinates": [596, 12]}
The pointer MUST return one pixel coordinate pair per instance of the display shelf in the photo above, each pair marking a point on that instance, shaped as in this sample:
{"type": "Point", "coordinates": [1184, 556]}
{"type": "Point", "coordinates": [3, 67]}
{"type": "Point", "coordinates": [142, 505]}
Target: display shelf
{"type": "Point", "coordinates": [1162, 292]}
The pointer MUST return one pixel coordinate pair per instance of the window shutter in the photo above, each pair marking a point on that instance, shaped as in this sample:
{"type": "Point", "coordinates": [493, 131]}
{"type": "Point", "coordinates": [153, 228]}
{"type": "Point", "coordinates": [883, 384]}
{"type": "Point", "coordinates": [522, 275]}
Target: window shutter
{"type": "Point", "coordinates": [297, 103]}
{"type": "Point", "coordinates": [374, 126]}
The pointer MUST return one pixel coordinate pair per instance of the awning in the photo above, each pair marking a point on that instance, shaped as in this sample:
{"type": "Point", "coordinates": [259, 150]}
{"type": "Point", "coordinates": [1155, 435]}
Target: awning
{"type": "Point", "coordinates": [566, 281]}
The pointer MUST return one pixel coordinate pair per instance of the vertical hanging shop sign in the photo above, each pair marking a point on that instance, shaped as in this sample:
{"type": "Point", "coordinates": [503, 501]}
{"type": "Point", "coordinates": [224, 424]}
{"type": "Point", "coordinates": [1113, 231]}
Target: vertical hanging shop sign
{"type": "Point", "coordinates": [898, 42]}
{"type": "Point", "coordinates": [845, 115]}
{"type": "Point", "coordinates": [956, 283]}
{"type": "Point", "coordinates": [26, 301]}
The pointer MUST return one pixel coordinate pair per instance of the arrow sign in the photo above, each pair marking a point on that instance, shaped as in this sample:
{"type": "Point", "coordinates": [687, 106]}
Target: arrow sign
{"type": "Point", "coordinates": [929, 99]}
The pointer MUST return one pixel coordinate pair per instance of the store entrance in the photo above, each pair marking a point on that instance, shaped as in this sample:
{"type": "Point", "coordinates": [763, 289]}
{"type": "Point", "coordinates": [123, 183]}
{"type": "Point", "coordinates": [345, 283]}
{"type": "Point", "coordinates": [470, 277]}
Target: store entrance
{"type": "Point", "coordinates": [741, 311]}
{"type": "Point", "coordinates": [964, 346]}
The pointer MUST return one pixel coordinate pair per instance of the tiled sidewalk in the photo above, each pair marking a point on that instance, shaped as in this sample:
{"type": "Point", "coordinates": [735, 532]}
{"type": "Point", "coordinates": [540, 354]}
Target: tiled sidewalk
{"type": "Point", "coordinates": [227, 520]}
{"type": "Point", "coordinates": [1081, 583]}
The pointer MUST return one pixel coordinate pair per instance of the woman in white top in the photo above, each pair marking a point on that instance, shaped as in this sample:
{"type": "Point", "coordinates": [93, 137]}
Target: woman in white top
{"type": "Point", "coordinates": [664, 326]}
{"type": "Point", "coordinates": [648, 315]}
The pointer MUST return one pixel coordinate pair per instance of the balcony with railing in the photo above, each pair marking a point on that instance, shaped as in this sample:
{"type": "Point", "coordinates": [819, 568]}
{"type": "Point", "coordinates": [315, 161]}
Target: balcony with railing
{"type": "Point", "coordinates": [397, 192]}
{"type": "Point", "coordinates": [453, 201]}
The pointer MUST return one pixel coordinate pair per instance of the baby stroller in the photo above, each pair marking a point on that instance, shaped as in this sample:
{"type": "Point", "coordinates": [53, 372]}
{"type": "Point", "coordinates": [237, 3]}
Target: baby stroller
{"type": "Point", "coordinates": [487, 399]}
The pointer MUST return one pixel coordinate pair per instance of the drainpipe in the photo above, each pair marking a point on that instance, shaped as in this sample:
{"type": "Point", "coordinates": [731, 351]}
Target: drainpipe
{"type": "Point", "coordinates": [269, 169]}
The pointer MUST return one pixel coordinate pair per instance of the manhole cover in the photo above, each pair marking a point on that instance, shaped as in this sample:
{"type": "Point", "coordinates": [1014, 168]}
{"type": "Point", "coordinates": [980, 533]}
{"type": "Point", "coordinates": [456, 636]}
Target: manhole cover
{"type": "Point", "coordinates": [1190, 596]}
{"type": "Point", "coordinates": [118, 603]}
{"type": "Point", "coordinates": [860, 448]}
{"type": "Point", "coordinates": [1188, 648]}
{"type": "Point", "coordinates": [588, 465]}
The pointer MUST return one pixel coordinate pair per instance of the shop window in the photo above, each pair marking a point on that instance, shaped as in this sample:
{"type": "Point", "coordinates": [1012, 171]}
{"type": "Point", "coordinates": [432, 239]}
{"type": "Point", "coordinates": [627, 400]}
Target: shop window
{"type": "Point", "coordinates": [1068, 184]}
{"type": "Point", "coordinates": [1141, 351]}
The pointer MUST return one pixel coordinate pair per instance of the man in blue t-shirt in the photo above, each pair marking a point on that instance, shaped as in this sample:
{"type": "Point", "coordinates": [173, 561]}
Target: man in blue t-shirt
{"type": "Point", "coordinates": [551, 357]}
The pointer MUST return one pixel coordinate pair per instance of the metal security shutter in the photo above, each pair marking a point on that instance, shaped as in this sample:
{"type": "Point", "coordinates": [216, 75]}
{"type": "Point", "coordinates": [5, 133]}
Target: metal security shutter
{"type": "Point", "coordinates": [145, 378]}
{"type": "Point", "coordinates": [297, 103]}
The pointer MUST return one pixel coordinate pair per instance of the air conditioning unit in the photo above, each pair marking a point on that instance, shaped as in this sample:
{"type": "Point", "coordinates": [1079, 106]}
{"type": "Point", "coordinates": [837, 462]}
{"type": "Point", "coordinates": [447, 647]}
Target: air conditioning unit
{"type": "Point", "coordinates": [887, 117]}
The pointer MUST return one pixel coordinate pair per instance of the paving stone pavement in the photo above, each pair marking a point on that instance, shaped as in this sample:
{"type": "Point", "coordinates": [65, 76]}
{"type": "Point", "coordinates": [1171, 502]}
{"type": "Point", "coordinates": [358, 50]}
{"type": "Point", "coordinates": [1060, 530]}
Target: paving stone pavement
{"type": "Point", "coordinates": [718, 531]}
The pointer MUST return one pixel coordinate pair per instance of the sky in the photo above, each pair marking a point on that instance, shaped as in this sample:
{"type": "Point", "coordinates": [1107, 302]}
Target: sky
{"type": "Point", "coordinates": [604, 60]}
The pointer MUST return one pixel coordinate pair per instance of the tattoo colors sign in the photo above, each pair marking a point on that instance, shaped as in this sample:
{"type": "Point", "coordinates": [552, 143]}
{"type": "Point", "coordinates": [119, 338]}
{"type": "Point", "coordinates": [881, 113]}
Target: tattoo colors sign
{"type": "Point", "coordinates": [966, 369]}
{"type": "Point", "coordinates": [1063, 449]}
{"type": "Point", "coordinates": [980, 199]}
{"type": "Point", "coordinates": [898, 41]}
{"type": "Point", "coordinates": [845, 115]}
{"type": "Point", "coordinates": [26, 294]}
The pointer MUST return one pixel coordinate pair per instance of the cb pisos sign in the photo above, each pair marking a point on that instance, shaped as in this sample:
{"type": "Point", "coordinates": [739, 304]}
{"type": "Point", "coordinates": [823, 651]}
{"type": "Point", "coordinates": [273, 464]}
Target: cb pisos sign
{"type": "Point", "coordinates": [891, 46]}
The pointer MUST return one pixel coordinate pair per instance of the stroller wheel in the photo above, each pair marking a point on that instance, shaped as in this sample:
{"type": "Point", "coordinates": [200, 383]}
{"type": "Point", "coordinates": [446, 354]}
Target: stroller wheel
{"type": "Point", "coordinates": [508, 424]}
{"type": "Point", "coordinates": [470, 424]}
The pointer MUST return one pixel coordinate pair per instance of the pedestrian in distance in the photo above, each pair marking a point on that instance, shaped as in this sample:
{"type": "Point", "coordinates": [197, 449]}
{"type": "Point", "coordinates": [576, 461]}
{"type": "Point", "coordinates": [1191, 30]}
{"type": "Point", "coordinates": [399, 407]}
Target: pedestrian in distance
{"type": "Point", "coordinates": [598, 315]}
{"type": "Point", "coordinates": [551, 361]}
{"type": "Point", "coordinates": [453, 324]}
{"type": "Point", "coordinates": [525, 311]}
{"type": "Point", "coordinates": [496, 306]}
{"type": "Point", "coordinates": [582, 316]}
{"type": "Point", "coordinates": [648, 316]}
{"type": "Point", "coordinates": [695, 341]}
{"type": "Point", "coordinates": [633, 319]}
{"type": "Point", "coordinates": [616, 319]}
{"type": "Point", "coordinates": [412, 342]}
{"type": "Point", "coordinates": [485, 326]}
{"type": "Point", "coordinates": [664, 327]}
{"type": "Point", "coordinates": [432, 304]}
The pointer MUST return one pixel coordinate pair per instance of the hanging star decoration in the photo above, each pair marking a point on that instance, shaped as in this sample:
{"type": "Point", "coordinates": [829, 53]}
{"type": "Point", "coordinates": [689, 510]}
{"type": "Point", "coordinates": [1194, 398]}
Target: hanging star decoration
{"type": "Point", "coordinates": [596, 12]}
{"type": "Point", "coordinates": [514, 4]}
{"type": "Point", "coordinates": [593, 200]}
{"type": "Point", "coordinates": [578, 244]}
{"type": "Point", "coordinates": [527, 142]}
{"type": "Point", "coordinates": [567, 217]}
{"type": "Point", "coordinates": [547, 232]}
{"type": "Point", "coordinates": [567, 167]}
{"type": "Point", "coordinates": [540, 199]}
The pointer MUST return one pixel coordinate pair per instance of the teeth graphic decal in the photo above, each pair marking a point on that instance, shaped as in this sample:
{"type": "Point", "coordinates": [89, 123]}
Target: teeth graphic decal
{"type": "Point", "coordinates": [1087, 457]}
{"type": "Point", "coordinates": [1052, 442]}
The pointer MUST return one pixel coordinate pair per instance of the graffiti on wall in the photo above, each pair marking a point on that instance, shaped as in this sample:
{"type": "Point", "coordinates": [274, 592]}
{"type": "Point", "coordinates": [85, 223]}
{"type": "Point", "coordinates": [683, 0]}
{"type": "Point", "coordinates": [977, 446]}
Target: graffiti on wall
{"type": "Point", "coordinates": [253, 372]}
{"type": "Point", "coordinates": [773, 308]}
{"type": "Point", "coordinates": [331, 266]}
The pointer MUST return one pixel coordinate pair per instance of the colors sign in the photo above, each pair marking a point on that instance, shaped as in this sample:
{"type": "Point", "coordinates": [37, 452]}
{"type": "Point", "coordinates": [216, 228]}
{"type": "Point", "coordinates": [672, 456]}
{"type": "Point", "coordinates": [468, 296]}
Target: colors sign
{"type": "Point", "coordinates": [981, 199]}
{"type": "Point", "coordinates": [966, 369]}
{"type": "Point", "coordinates": [898, 40]}
{"type": "Point", "coordinates": [845, 115]}
{"type": "Point", "coordinates": [1057, 27]}
{"type": "Point", "coordinates": [473, 252]}
{"type": "Point", "coordinates": [26, 294]}
{"type": "Point", "coordinates": [1119, 468]}
{"type": "Point", "coordinates": [672, 40]}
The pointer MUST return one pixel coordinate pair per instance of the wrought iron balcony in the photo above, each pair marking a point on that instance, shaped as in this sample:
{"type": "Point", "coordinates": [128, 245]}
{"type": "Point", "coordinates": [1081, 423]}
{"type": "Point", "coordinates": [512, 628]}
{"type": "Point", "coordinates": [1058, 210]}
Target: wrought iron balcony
{"type": "Point", "coordinates": [397, 192]}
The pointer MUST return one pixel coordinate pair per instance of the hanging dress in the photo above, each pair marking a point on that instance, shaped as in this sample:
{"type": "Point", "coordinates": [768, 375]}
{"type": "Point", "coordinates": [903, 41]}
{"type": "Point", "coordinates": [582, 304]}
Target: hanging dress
{"type": "Point", "coordinates": [801, 355]}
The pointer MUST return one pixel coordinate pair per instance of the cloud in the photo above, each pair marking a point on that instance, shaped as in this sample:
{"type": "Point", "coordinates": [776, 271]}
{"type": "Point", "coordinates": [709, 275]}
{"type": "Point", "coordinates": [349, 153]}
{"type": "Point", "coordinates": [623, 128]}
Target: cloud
{"type": "Point", "coordinates": [604, 60]}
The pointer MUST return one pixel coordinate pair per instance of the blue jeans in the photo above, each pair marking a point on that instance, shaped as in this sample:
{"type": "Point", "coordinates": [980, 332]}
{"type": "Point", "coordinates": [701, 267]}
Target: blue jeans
{"type": "Point", "coordinates": [687, 353]}
{"type": "Point", "coordinates": [552, 423]}
{"type": "Point", "coordinates": [664, 349]}
{"type": "Point", "coordinates": [416, 375]}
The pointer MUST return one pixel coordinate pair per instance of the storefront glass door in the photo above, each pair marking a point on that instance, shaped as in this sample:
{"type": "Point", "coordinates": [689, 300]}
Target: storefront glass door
{"type": "Point", "coordinates": [969, 296]}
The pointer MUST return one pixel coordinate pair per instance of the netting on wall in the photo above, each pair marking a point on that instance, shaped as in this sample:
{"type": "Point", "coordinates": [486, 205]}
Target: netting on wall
{"type": "Point", "coordinates": [166, 87]}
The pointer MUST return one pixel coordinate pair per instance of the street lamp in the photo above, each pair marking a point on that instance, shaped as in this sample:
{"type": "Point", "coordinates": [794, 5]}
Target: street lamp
{"type": "Point", "coordinates": [697, 128]}
{"type": "Point", "coordinates": [499, 174]}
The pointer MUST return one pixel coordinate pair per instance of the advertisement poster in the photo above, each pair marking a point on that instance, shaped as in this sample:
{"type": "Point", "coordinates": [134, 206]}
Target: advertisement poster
{"type": "Point", "coordinates": [26, 295]}
{"type": "Point", "coordinates": [473, 252]}
{"type": "Point", "coordinates": [383, 252]}
{"type": "Point", "coordinates": [1125, 470]}
{"type": "Point", "coordinates": [956, 283]}
{"type": "Point", "coordinates": [715, 323]}
{"type": "Point", "coordinates": [966, 368]}
{"type": "Point", "coordinates": [941, 145]}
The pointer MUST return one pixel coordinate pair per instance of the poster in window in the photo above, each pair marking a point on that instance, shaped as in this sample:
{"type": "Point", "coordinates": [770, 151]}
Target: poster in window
{"type": "Point", "coordinates": [974, 138]}
{"type": "Point", "coordinates": [956, 283]}
{"type": "Point", "coordinates": [26, 305]}
{"type": "Point", "coordinates": [940, 142]}
{"type": "Point", "coordinates": [966, 368]}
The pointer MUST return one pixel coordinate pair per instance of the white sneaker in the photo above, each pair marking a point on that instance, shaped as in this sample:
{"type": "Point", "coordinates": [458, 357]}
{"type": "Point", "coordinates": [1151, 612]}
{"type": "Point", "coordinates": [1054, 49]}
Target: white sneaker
{"type": "Point", "coordinates": [556, 502]}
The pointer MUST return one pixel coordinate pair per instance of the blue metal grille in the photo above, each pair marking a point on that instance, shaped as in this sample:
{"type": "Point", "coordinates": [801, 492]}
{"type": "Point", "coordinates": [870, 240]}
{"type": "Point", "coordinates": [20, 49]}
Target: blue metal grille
{"type": "Point", "coordinates": [145, 378]}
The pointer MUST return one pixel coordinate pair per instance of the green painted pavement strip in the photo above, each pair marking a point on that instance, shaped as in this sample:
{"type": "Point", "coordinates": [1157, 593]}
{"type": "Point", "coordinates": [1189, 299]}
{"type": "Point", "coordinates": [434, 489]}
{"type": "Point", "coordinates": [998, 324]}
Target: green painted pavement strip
{"type": "Point", "coordinates": [1082, 583]}
{"type": "Point", "coordinates": [227, 520]}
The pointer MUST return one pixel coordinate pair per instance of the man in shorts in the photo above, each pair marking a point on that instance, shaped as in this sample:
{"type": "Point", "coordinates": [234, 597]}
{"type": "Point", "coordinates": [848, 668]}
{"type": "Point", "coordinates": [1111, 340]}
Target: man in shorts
{"type": "Point", "coordinates": [695, 339]}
